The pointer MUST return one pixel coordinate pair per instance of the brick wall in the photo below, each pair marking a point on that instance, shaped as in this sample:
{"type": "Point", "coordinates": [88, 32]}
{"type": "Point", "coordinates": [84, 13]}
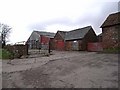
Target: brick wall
{"type": "Point", "coordinates": [90, 37]}
{"type": "Point", "coordinates": [58, 37]}
{"type": "Point", "coordinates": [110, 37]}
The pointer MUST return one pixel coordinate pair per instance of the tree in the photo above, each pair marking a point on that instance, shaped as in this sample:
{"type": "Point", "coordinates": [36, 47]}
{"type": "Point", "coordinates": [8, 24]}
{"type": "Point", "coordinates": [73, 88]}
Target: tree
{"type": "Point", "coordinates": [4, 30]}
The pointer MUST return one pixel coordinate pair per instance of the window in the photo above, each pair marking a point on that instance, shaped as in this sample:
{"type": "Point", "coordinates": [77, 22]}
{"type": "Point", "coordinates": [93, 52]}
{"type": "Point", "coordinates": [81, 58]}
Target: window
{"type": "Point", "coordinates": [74, 41]}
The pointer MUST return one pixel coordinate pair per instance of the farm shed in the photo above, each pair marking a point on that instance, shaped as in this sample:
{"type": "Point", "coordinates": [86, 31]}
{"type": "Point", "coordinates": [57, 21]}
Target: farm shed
{"type": "Point", "coordinates": [39, 39]}
{"type": "Point", "coordinates": [111, 31]}
{"type": "Point", "coordinates": [74, 40]}
{"type": "Point", "coordinates": [77, 39]}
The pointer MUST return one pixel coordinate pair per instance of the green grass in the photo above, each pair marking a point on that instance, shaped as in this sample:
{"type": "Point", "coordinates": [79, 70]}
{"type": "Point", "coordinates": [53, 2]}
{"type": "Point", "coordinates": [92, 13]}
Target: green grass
{"type": "Point", "coordinates": [4, 54]}
{"type": "Point", "coordinates": [112, 50]}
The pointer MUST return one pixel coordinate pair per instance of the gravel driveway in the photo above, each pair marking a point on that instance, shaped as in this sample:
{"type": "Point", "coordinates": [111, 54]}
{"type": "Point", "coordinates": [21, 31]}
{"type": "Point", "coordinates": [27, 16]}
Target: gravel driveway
{"type": "Point", "coordinates": [63, 69]}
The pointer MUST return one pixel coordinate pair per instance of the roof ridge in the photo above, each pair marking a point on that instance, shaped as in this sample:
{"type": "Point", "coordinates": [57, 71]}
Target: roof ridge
{"type": "Point", "coordinates": [44, 32]}
{"type": "Point", "coordinates": [81, 28]}
{"type": "Point", "coordinates": [77, 33]}
{"type": "Point", "coordinates": [112, 19]}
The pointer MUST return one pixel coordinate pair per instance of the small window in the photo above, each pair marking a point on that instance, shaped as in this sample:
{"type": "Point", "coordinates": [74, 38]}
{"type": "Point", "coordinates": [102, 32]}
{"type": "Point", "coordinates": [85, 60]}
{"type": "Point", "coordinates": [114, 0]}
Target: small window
{"type": "Point", "coordinates": [74, 41]}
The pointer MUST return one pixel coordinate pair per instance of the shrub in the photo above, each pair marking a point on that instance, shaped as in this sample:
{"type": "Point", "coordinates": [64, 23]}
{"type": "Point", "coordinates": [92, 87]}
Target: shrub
{"type": "Point", "coordinates": [4, 54]}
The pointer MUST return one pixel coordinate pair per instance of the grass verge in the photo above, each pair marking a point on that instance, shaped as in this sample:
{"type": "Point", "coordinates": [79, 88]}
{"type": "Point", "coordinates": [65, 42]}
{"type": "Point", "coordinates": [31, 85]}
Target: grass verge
{"type": "Point", "coordinates": [4, 54]}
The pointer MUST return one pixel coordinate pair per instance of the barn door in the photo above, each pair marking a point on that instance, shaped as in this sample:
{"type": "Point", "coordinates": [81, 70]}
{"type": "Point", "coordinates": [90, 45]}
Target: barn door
{"type": "Point", "coordinates": [60, 45]}
{"type": "Point", "coordinates": [75, 45]}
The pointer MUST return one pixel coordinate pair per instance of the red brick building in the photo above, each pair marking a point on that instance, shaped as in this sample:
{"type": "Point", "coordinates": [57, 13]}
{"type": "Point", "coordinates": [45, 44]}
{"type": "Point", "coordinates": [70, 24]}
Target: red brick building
{"type": "Point", "coordinates": [75, 39]}
{"type": "Point", "coordinates": [78, 39]}
{"type": "Point", "coordinates": [111, 31]}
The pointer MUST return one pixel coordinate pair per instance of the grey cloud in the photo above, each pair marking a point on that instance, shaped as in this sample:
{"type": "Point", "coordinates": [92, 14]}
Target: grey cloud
{"type": "Point", "coordinates": [97, 20]}
{"type": "Point", "coordinates": [43, 25]}
{"type": "Point", "coordinates": [88, 19]}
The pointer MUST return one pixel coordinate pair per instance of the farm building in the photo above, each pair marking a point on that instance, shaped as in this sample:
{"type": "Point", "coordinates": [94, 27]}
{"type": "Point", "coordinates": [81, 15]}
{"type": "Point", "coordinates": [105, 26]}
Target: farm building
{"type": "Point", "coordinates": [95, 46]}
{"type": "Point", "coordinates": [39, 40]}
{"type": "Point", "coordinates": [75, 40]}
{"type": "Point", "coordinates": [111, 31]}
{"type": "Point", "coordinates": [79, 38]}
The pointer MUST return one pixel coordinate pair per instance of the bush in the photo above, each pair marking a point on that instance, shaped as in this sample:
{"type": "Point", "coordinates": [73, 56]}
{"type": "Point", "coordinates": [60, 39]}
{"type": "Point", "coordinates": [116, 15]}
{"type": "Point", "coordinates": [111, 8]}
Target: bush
{"type": "Point", "coordinates": [4, 54]}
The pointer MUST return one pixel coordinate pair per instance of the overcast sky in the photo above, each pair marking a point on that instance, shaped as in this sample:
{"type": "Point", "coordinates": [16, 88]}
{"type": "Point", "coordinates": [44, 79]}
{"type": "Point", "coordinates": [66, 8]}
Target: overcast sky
{"type": "Point", "coordinates": [24, 16]}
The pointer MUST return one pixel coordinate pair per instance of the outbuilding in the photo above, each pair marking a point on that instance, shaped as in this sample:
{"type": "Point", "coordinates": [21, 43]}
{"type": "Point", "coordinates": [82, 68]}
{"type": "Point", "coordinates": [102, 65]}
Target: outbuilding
{"type": "Point", "coordinates": [78, 39]}
{"type": "Point", "coordinates": [40, 40]}
{"type": "Point", "coordinates": [111, 31]}
{"type": "Point", "coordinates": [75, 39]}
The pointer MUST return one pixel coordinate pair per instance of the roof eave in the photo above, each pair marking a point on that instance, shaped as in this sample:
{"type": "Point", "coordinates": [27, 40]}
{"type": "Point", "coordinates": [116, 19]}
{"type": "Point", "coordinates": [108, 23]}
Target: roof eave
{"type": "Point", "coordinates": [102, 26]}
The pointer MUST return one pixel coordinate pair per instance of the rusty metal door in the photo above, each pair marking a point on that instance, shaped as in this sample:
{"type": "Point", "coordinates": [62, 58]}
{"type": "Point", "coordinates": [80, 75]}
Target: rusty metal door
{"type": "Point", "coordinates": [60, 45]}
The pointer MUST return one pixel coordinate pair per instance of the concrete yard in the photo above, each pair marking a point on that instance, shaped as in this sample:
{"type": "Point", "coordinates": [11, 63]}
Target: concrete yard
{"type": "Point", "coordinates": [63, 69]}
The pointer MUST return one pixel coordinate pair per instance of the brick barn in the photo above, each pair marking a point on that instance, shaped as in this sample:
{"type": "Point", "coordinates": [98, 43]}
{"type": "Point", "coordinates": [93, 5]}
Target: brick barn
{"type": "Point", "coordinates": [75, 39]}
{"type": "Point", "coordinates": [39, 39]}
{"type": "Point", "coordinates": [111, 31]}
{"type": "Point", "coordinates": [79, 38]}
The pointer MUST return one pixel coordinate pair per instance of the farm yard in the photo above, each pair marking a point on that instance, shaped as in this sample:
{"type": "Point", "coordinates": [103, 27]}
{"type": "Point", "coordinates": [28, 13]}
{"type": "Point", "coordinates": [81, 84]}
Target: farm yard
{"type": "Point", "coordinates": [62, 69]}
{"type": "Point", "coordinates": [69, 47]}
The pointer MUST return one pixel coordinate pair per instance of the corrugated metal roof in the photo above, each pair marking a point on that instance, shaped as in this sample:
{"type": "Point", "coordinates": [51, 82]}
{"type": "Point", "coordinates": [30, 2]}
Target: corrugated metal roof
{"type": "Point", "coordinates": [112, 19]}
{"type": "Point", "coordinates": [48, 34]}
{"type": "Point", "coordinates": [77, 33]}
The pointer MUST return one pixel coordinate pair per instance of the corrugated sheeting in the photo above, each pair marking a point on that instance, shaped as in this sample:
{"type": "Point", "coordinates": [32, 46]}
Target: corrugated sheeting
{"type": "Point", "coordinates": [44, 42]}
{"type": "Point", "coordinates": [95, 47]}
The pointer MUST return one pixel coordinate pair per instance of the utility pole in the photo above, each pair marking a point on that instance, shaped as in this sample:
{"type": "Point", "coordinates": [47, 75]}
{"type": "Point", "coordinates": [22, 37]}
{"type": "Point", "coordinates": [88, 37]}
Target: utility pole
{"type": "Point", "coordinates": [49, 47]}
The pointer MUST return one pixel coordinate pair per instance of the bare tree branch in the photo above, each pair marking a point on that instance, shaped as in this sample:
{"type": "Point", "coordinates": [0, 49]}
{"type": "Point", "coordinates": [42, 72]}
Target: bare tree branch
{"type": "Point", "coordinates": [4, 30]}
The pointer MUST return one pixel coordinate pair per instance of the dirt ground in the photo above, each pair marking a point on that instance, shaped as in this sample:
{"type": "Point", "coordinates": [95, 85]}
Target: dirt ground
{"type": "Point", "coordinates": [63, 69]}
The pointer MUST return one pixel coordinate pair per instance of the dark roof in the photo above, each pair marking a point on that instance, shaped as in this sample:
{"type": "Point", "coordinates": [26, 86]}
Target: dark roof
{"type": "Point", "coordinates": [62, 33]}
{"type": "Point", "coordinates": [77, 33]}
{"type": "Point", "coordinates": [48, 34]}
{"type": "Point", "coordinates": [112, 19]}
